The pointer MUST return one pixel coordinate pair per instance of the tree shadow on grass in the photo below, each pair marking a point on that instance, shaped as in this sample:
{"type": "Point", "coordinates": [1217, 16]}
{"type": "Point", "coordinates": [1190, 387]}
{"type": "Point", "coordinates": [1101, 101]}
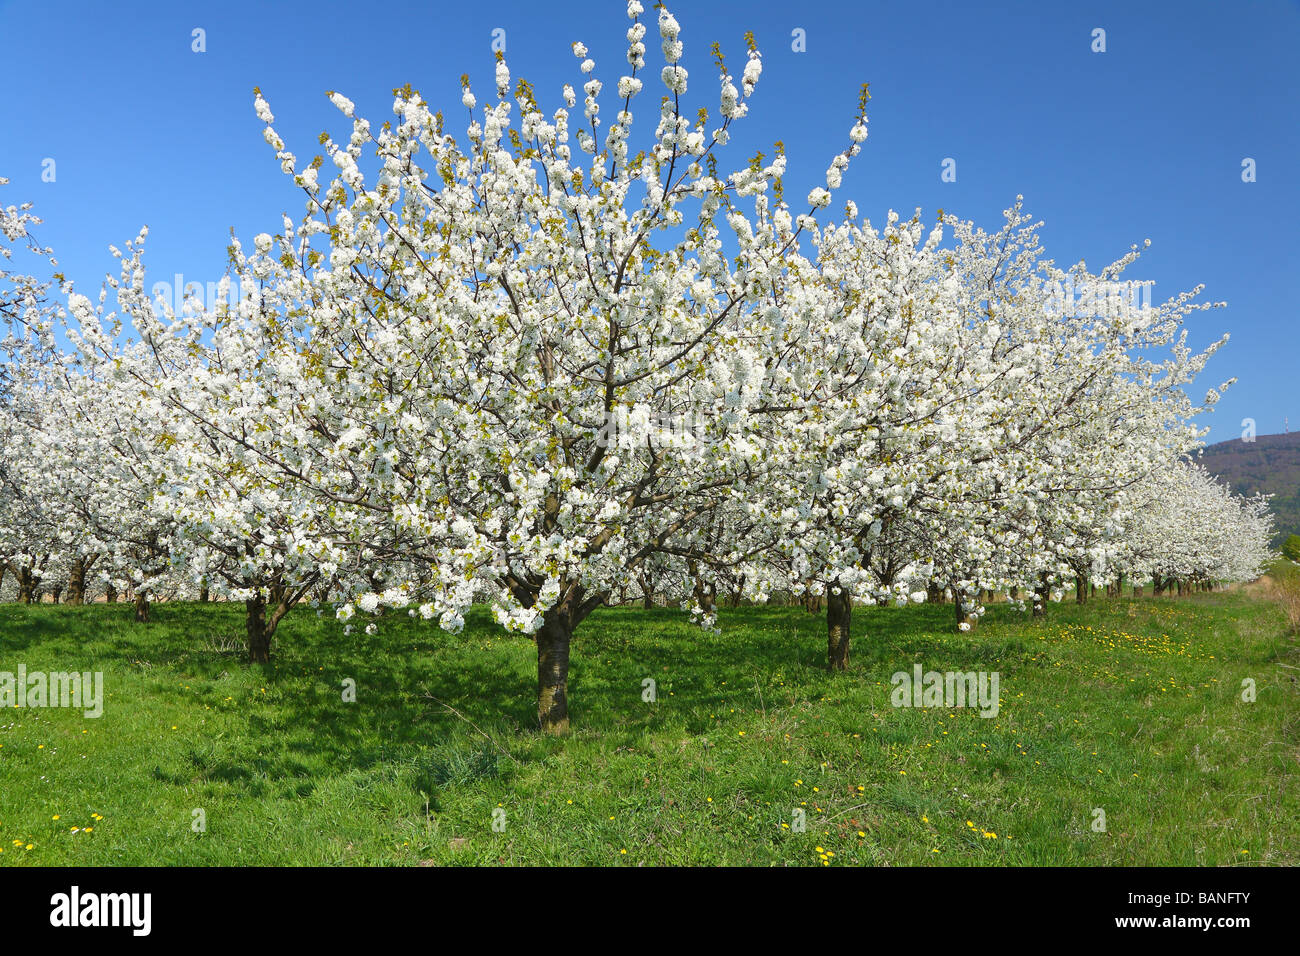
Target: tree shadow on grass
{"type": "Point", "coordinates": [421, 692]}
{"type": "Point", "coordinates": [23, 626]}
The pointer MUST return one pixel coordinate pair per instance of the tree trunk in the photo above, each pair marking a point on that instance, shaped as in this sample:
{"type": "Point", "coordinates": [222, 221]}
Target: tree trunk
{"type": "Point", "coordinates": [1040, 598]}
{"type": "Point", "coordinates": [553, 672]}
{"type": "Point", "coordinates": [56, 593]}
{"type": "Point", "coordinates": [647, 592]}
{"type": "Point", "coordinates": [704, 597]}
{"type": "Point", "coordinates": [26, 586]}
{"type": "Point", "coordinates": [839, 618]}
{"type": "Point", "coordinates": [142, 607]}
{"type": "Point", "coordinates": [963, 611]}
{"type": "Point", "coordinates": [933, 594]}
{"type": "Point", "coordinates": [77, 583]}
{"type": "Point", "coordinates": [110, 593]}
{"type": "Point", "coordinates": [259, 638]}
{"type": "Point", "coordinates": [736, 594]}
{"type": "Point", "coordinates": [1080, 590]}
{"type": "Point", "coordinates": [204, 595]}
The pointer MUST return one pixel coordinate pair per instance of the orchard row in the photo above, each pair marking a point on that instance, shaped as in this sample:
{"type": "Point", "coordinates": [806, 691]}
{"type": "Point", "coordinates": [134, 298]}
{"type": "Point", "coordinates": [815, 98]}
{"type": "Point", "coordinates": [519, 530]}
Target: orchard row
{"type": "Point", "coordinates": [460, 378]}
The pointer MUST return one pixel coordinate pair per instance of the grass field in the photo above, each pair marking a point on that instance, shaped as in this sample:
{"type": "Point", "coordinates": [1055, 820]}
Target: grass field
{"type": "Point", "coordinates": [1133, 707]}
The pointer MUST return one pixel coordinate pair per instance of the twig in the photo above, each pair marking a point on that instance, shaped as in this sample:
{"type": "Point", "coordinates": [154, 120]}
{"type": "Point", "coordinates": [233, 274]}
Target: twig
{"type": "Point", "coordinates": [489, 737]}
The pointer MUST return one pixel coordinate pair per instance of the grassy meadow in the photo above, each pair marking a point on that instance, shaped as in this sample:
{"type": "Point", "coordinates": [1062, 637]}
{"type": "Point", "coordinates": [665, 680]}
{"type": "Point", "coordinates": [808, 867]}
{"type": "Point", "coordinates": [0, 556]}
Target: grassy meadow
{"type": "Point", "coordinates": [1130, 706]}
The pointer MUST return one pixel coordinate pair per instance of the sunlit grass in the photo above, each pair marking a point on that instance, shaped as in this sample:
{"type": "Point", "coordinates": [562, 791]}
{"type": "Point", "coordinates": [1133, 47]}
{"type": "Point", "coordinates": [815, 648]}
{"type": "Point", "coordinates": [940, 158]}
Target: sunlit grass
{"type": "Point", "coordinates": [1131, 707]}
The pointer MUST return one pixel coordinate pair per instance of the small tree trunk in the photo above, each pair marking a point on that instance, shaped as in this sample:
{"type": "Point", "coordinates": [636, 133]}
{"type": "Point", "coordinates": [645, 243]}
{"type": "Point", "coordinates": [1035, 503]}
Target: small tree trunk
{"type": "Point", "coordinates": [735, 594]}
{"type": "Point", "coordinates": [110, 593]}
{"type": "Point", "coordinates": [1040, 598]}
{"type": "Point", "coordinates": [56, 593]}
{"type": "Point", "coordinates": [142, 607]}
{"type": "Point", "coordinates": [705, 597]}
{"type": "Point", "coordinates": [77, 583]}
{"type": "Point", "coordinates": [964, 615]}
{"type": "Point", "coordinates": [1080, 590]}
{"type": "Point", "coordinates": [933, 594]}
{"type": "Point", "coordinates": [26, 586]}
{"type": "Point", "coordinates": [204, 595]}
{"type": "Point", "coordinates": [553, 672]}
{"type": "Point", "coordinates": [259, 639]}
{"type": "Point", "coordinates": [839, 618]}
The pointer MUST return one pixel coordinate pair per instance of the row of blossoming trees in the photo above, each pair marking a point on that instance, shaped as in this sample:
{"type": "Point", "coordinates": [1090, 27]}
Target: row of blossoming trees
{"type": "Point", "coordinates": [528, 366]}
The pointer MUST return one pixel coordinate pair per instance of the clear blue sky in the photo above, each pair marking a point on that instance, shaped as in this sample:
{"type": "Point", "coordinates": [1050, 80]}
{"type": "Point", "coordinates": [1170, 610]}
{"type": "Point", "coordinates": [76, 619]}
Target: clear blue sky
{"type": "Point", "coordinates": [1144, 140]}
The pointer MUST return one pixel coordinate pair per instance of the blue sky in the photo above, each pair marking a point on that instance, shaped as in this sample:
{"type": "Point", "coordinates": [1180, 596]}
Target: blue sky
{"type": "Point", "coordinates": [1145, 140]}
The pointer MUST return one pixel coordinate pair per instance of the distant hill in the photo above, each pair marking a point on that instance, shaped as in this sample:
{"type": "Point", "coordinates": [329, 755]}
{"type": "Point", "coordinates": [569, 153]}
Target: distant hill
{"type": "Point", "coordinates": [1268, 465]}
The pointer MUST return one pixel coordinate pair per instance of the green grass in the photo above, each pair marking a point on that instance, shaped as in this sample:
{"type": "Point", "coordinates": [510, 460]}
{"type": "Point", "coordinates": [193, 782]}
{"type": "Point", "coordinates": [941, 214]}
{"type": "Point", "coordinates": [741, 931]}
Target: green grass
{"type": "Point", "coordinates": [1133, 707]}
